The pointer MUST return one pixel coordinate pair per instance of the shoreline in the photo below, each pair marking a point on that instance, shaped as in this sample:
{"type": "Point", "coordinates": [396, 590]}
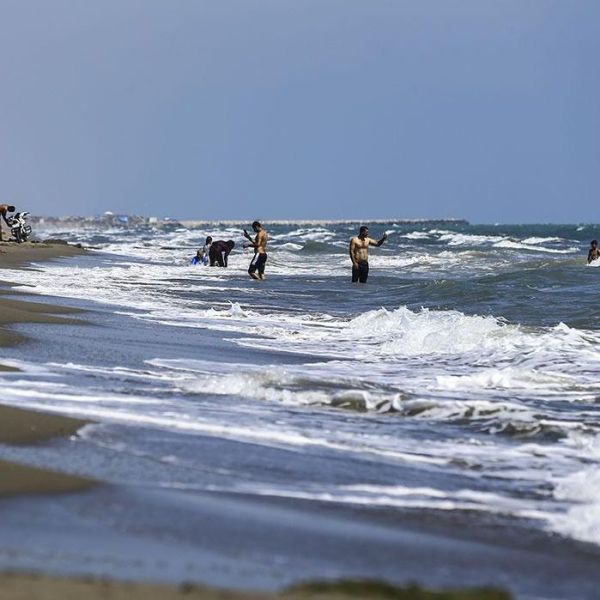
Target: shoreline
{"type": "Point", "coordinates": [23, 427]}
{"type": "Point", "coordinates": [19, 256]}
{"type": "Point", "coordinates": [16, 586]}
{"type": "Point", "coordinates": [16, 255]}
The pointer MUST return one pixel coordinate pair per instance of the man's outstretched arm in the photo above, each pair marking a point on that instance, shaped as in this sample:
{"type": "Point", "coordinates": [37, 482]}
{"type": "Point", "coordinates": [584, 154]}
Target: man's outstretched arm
{"type": "Point", "coordinates": [378, 243]}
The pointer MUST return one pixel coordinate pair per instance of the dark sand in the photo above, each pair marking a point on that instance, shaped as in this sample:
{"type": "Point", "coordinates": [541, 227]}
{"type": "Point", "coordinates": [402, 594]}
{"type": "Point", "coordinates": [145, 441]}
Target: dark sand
{"type": "Point", "coordinates": [38, 587]}
{"type": "Point", "coordinates": [12, 311]}
{"type": "Point", "coordinates": [14, 255]}
{"type": "Point", "coordinates": [27, 427]}
{"type": "Point", "coordinates": [22, 479]}
{"type": "Point", "coordinates": [19, 426]}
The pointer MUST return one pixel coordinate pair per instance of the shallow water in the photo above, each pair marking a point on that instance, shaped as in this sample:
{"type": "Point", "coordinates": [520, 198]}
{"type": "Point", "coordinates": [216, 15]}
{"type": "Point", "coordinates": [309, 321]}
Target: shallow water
{"type": "Point", "coordinates": [461, 380]}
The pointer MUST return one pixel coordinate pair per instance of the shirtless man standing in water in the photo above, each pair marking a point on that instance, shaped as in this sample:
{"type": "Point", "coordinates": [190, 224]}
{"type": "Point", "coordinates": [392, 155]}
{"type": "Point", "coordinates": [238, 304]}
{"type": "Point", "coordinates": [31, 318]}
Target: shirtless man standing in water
{"type": "Point", "coordinates": [359, 254]}
{"type": "Point", "coordinates": [256, 270]}
{"type": "Point", "coordinates": [594, 253]}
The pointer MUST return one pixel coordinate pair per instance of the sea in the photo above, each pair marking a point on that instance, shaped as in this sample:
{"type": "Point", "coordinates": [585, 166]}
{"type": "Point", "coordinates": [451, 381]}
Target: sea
{"type": "Point", "coordinates": [438, 424]}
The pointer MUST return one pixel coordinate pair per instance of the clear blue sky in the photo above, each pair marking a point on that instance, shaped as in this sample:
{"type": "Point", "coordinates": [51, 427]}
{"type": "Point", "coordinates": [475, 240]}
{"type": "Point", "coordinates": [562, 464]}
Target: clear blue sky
{"type": "Point", "coordinates": [487, 110]}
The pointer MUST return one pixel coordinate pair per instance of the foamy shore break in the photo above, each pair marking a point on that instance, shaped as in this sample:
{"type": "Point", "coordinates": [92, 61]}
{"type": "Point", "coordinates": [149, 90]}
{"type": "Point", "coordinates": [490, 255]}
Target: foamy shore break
{"type": "Point", "coordinates": [26, 427]}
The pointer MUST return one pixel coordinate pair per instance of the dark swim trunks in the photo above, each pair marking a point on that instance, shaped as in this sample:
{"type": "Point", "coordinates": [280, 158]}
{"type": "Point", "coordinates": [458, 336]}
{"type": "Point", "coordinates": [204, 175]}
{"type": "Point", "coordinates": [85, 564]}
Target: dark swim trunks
{"type": "Point", "coordinates": [360, 272]}
{"type": "Point", "coordinates": [258, 264]}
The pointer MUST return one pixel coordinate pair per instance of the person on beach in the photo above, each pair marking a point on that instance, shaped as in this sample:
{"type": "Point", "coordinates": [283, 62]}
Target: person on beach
{"type": "Point", "coordinates": [359, 254]}
{"type": "Point", "coordinates": [201, 257]}
{"type": "Point", "coordinates": [219, 251]}
{"type": "Point", "coordinates": [256, 270]}
{"type": "Point", "coordinates": [593, 253]}
{"type": "Point", "coordinates": [4, 209]}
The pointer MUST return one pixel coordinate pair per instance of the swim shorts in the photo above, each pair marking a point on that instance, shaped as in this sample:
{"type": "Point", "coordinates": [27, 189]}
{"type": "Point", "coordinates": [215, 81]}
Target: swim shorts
{"type": "Point", "coordinates": [258, 263]}
{"type": "Point", "coordinates": [360, 272]}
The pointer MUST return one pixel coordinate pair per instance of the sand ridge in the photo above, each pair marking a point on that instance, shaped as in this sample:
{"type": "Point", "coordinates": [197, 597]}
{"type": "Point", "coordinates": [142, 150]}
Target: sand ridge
{"type": "Point", "coordinates": [17, 256]}
{"type": "Point", "coordinates": [39, 587]}
{"type": "Point", "coordinates": [19, 426]}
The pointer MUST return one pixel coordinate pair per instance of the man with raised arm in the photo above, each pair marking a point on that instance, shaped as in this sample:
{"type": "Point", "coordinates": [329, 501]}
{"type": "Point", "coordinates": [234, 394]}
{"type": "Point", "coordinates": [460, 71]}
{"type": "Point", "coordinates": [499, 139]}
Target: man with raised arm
{"type": "Point", "coordinates": [256, 270]}
{"type": "Point", "coordinates": [359, 254]}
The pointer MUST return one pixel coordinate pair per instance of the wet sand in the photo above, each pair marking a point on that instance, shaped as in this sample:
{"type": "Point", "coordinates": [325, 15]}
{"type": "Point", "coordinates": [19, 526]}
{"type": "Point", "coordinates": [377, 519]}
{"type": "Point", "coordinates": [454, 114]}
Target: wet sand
{"type": "Point", "coordinates": [19, 426]}
{"type": "Point", "coordinates": [13, 311]}
{"type": "Point", "coordinates": [27, 427]}
{"type": "Point", "coordinates": [37, 587]}
{"type": "Point", "coordinates": [15, 255]}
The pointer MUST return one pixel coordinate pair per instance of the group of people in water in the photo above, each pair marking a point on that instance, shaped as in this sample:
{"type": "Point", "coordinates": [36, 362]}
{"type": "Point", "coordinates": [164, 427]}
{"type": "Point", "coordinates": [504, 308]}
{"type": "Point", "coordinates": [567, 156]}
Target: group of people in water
{"type": "Point", "coordinates": [216, 253]}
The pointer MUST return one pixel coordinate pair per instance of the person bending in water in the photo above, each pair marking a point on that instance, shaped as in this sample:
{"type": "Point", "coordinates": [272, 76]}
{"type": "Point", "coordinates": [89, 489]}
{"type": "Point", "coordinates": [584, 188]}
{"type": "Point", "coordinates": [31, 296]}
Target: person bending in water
{"type": "Point", "coordinates": [359, 254]}
{"type": "Point", "coordinates": [219, 251]}
{"type": "Point", "coordinates": [594, 253]}
{"type": "Point", "coordinates": [256, 270]}
{"type": "Point", "coordinates": [4, 209]}
{"type": "Point", "coordinates": [201, 257]}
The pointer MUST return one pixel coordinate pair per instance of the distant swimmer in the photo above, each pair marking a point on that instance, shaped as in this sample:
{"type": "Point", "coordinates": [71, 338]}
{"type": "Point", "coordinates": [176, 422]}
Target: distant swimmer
{"type": "Point", "coordinates": [359, 254]}
{"type": "Point", "coordinates": [593, 253]}
{"type": "Point", "coordinates": [219, 252]}
{"type": "Point", "coordinates": [201, 257]}
{"type": "Point", "coordinates": [256, 270]}
{"type": "Point", "coordinates": [4, 209]}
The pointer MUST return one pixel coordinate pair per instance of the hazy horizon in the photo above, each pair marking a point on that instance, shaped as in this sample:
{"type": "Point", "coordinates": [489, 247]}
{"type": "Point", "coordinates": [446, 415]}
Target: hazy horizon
{"type": "Point", "coordinates": [325, 220]}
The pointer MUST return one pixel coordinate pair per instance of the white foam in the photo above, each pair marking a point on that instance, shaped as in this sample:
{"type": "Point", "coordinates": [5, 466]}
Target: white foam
{"type": "Point", "coordinates": [542, 240]}
{"type": "Point", "coordinates": [509, 244]}
{"type": "Point", "coordinates": [404, 497]}
{"type": "Point", "coordinates": [463, 239]}
{"type": "Point", "coordinates": [417, 235]}
{"type": "Point", "coordinates": [291, 246]}
{"type": "Point", "coordinates": [581, 517]}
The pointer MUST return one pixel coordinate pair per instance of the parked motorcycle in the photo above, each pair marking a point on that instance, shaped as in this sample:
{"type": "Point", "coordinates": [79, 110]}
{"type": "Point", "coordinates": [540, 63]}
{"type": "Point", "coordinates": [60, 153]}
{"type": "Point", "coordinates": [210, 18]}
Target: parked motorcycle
{"type": "Point", "coordinates": [19, 227]}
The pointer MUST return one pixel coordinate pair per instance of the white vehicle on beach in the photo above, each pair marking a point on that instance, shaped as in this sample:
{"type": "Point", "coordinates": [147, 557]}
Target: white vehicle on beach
{"type": "Point", "coordinates": [19, 227]}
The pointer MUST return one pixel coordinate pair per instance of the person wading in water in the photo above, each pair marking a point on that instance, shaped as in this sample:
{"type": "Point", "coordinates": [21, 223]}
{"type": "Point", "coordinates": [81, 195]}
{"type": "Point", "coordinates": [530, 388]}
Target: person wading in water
{"type": "Point", "coordinates": [359, 254]}
{"type": "Point", "coordinates": [256, 270]}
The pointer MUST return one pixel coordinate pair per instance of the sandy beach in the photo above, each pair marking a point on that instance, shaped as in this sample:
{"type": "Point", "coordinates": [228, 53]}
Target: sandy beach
{"type": "Point", "coordinates": [15, 586]}
{"type": "Point", "coordinates": [27, 427]}
{"type": "Point", "coordinates": [14, 255]}
{"type": "Point", "coordinates": [18, 311]}
{"type": "Point", "coordinates": [22, 426]}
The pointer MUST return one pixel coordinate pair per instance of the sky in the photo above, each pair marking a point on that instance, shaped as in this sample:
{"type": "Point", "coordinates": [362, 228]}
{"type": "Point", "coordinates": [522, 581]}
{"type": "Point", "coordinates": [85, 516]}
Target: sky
{"type": "Point", "coordinates": [302, 109]}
